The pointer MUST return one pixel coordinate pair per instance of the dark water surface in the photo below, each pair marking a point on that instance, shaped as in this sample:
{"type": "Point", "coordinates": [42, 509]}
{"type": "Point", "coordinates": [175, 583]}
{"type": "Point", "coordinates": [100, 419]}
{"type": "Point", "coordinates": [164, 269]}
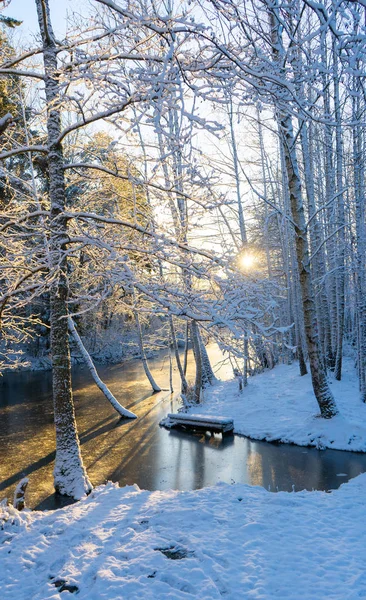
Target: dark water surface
{"type": "Point", "coordinates": [140, 451]}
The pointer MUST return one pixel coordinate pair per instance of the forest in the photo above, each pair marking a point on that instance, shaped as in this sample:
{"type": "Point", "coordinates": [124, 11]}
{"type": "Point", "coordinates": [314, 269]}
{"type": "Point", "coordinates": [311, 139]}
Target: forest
{"type": "Point", "coordinates": [178, 176]}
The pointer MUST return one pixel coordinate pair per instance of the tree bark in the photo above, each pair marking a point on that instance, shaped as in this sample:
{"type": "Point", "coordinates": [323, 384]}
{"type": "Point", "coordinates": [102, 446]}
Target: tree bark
{"type": "Point", "coordinates": [140, 340]}
{"type": "Point", "coordinates": [102, 386]}
{"type": "Point", "coordinates": [186, 344]}
{"type": "Point", "coordinates": [340, 256]}
{"type": "Point", "coordinates": [321, 388]}
{"type": "Point", "coordinates": [208, 376]}
{"type": "Point", "coordinates": [177, 357]}
{"type": "Point", "coordinates": [360, 279]}
{"type": "Point", "coordinates": [198, 359]}
{"type": "Point", "coordinates": [70, 477]}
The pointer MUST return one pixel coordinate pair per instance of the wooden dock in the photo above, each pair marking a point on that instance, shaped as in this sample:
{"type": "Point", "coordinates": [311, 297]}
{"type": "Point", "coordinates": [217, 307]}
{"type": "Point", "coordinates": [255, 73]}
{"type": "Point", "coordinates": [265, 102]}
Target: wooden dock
{"type": "Point", "coordinates": [200, 423]}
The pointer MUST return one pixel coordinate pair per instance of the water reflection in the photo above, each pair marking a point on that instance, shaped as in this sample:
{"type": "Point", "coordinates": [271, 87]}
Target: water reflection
{"type": "Point", "coordinates": [140, 451]}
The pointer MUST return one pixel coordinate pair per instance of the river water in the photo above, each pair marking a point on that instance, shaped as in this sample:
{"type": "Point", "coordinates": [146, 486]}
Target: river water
{"type": "Point", "coordinates": [140, 451]}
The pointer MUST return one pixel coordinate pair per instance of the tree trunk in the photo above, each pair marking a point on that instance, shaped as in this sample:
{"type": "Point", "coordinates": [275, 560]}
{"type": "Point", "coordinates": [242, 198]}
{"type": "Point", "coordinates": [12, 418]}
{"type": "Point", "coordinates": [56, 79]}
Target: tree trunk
{"type": "Point", "coordinates": [292, 273]}
{"type": "Point", "coordinates": [198, 359]}
{"type": "Point", "coordinates": [140, 340]}
{"type": "Point", "coordinates": [330, 222]}
{"type": "Point", "coordinates": [19, 494]}
{"type": "Point", "coordinates": [340, 257]}
{"type": "Point", "coordinates": [245, 361]}
{"type": "Point", "coordinates": [316, 248]}
{"type": "Point", "coordinates": [70, 477]}
{"type": "Point", "coordinates": [177, 357]}
{"type": "Point", "coordinates": [102, 386]}
{"type": "Point", "coordinates": [186, 344]}
{"type": "Point", "coordinates": [319, 380]}
{"type": "Point", "coordinates": [208, 376]}
{"type": "Point", "coordinates": [360, 279]}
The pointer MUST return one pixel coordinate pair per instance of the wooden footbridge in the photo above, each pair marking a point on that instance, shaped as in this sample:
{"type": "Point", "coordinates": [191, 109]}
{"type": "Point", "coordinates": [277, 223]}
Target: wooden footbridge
{"type": "Point", "coordinates": [221, 425]}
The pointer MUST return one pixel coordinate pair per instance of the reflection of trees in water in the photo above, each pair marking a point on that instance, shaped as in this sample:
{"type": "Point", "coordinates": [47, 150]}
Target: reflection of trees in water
{"type": "Point", "coordinates": [196, 464]}
{"type": "Point", "coordinates": [254, 466]}
{"type": "Point", "coordinates": [199, 463]}
{"type": "Point", "coordinates": [189, 465]}
{"type": "Point", "coordinates": [283, 466]}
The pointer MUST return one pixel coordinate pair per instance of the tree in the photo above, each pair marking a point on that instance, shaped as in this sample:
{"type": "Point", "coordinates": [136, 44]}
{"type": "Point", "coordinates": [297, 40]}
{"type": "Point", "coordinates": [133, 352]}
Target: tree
{"type": "Point", "coordinates": [69, 474]}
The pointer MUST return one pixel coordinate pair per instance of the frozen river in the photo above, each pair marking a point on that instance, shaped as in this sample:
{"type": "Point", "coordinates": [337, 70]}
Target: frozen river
{"type": "Point", "coordinates": [140, 451]}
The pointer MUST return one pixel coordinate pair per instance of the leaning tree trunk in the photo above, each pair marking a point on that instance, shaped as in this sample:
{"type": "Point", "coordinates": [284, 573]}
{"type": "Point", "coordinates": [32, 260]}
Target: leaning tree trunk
{"type": "Point", "coordinates": [102, 386]}
{"type": "Point", "coordinates": [140, 340]}
{"type": "Point", "coordinates": [184, 384]}
{"type": "Point", "coordinates": [321, 388]}
{"type": "Point", "coordinates": [70, 477]}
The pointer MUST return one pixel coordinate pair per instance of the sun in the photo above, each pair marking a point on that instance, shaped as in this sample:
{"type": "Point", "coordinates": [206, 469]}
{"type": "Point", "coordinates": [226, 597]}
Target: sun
{"type": "Point", "coordinates": [247, 261]}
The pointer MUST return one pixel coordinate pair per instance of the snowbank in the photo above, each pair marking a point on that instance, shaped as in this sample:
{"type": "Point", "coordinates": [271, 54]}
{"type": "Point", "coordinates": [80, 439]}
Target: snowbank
{"type": "Point", "coordinates": [226, 541]}
{"type": "Point", "coordinates": [279, 405]}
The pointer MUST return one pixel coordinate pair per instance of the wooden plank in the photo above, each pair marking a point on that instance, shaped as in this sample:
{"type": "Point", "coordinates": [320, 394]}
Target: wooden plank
{"type": "Point", "coordinates": [196, 417]}
{"type": "Point", "coordinates": [201, 422]}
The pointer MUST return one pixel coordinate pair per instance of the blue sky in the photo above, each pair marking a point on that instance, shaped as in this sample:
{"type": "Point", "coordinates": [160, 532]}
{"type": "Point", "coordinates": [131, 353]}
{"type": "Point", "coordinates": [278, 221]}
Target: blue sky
{"type": "Point", "coordinates": [25, 10]}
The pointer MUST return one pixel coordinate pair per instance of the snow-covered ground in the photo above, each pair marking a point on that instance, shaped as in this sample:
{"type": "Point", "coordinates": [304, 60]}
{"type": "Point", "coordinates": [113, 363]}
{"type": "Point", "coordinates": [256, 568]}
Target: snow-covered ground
{"type": "Point", "coordinates": [279, 405]}
{"type": "Point", "coordinates": [227, 541]}
{"type": "Point", "coordinates": [235, 542]}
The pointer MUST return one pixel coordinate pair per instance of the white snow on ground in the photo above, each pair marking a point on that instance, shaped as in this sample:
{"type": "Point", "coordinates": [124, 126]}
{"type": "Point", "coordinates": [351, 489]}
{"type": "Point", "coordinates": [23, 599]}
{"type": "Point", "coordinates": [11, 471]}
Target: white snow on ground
{"type": "Point", "coordinates": [235, 542]}
{"type": "Point", "coordinates": [279, 405]}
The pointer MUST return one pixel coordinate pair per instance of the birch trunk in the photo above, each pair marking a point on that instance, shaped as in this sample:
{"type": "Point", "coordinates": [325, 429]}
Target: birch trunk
{"type": "Point", "coordinates": [198, 360]}
{"type": "Point", "coordinates": [292, 273]}
{"type": "Point", "coordinates": [330, 221]}
{"type": "Point", "coordinates": [102, 386]}
{"type": "Point", "coordinates": [177, 357]}
{"type": "Point", "coordinates": [186, 344]}
{"type": "Point", "coordinates": [318, 265]}
{"type": "Point", "coordinates": [145, 364]}
{"type": "Point", "coordinates": [360, 245]}
{"type": "Point", "coordinates": [316, 244]}
{"type": "Point", "coordinates": [321, 388]}
{"type": "Point", "coordinates": [242, 228]}
{"type": "Point", "coordinates": [319, 380]}
{"type": "Point", "coordinates": [341, 222]}
{"type": "Point", "coordinates": [70, 477]}
{"type": "Point", "coordinates": [245, 362]}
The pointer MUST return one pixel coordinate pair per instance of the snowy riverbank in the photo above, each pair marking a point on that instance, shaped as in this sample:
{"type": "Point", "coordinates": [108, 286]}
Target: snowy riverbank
{"type": "Point", "coordinates": [279, 405]}
{"type": "Point", "coordinates": [231, 541]}
{"type": "Point", "coordinates": [226, 541]}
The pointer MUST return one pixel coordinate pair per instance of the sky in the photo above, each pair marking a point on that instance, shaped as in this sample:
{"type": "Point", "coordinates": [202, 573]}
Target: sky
{"type": "Point", "coordinates": [25, 10]}
{"type": "Point", "coordinates": [23, 36]}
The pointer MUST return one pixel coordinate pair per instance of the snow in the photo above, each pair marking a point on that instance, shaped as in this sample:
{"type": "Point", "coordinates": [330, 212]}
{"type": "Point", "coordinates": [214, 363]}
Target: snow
{"type": "Point", "coordinates": [279, 405]}
{"type": "Point", "coordinates": [225, 541]}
